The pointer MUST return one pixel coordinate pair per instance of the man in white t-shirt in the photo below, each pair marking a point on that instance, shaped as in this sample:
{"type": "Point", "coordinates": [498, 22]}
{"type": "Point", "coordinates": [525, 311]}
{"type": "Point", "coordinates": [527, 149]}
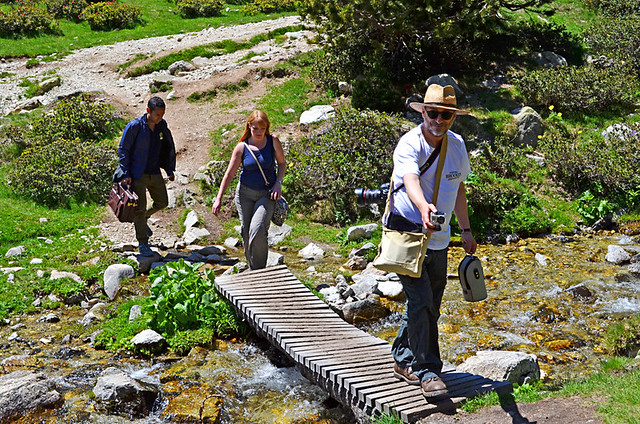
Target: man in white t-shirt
{"type": "Point", "coordinates": [415, 349]}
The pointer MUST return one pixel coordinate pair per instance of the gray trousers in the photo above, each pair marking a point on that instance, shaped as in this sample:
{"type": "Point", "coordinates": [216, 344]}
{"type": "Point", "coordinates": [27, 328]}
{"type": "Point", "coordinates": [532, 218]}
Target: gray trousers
{"type": "Point", "coordinates": [255, 209]}
{"type": "Point", "coordinates": [158, 192]}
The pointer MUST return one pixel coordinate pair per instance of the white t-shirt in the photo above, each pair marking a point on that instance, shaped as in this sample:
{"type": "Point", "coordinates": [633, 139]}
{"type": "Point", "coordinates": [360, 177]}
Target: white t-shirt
{"type": "Point", "coordinates": [411, 152]}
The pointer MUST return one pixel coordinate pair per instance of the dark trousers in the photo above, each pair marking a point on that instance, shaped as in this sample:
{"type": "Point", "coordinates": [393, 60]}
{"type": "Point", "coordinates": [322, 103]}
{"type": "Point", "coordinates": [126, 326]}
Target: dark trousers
{"type": "Point", "coordinates": [416, 344]}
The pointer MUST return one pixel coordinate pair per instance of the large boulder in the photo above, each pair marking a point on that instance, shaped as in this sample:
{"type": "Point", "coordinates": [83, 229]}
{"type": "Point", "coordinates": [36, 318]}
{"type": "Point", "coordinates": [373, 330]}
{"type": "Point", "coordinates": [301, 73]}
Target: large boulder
{"type": "Point", "coordinates": [118, 393]}
{"type": "Point", "coordinates": [529, 124]}
{"type": "Point", "coordinates": [25, 392]}
{"type": "Point", "coordinates": [515, 367]}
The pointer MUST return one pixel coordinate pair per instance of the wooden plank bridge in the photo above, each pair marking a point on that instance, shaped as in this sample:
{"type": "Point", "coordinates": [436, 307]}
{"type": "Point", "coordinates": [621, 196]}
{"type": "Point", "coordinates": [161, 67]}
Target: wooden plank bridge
{"type": "Point", "coordinates": [350, 364]}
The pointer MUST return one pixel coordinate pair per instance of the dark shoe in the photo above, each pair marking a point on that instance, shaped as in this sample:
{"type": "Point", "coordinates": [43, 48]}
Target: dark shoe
{"type": "Point", "coordinates": [406, 375]}
{"type": "Point", "coordinates": [433, 387]}
{"type": "Point", "coordinates": [145, 250]}
{"type": "Point", "coordinates": [149, 232]}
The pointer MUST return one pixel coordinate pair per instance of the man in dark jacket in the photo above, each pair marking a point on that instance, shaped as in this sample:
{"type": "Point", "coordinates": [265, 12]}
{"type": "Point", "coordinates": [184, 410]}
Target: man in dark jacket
{"type": "Point", "coordinates": [146, 147]}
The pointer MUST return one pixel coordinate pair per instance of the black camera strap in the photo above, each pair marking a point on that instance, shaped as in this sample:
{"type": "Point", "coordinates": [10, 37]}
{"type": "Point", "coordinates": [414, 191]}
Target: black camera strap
{"type": "Point", "coordinates": [432, 158]}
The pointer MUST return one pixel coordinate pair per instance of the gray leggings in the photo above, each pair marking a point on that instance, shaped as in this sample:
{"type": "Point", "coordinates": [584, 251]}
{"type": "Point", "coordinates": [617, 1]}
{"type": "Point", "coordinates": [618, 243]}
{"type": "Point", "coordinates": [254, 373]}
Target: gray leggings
{"type": "Point", "coordinates": [255, 209]}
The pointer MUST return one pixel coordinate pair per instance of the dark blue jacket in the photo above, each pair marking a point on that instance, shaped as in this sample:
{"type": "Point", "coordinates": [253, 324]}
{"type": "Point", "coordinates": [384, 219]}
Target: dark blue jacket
{"type": "Point", "coordinates": [135, 145]}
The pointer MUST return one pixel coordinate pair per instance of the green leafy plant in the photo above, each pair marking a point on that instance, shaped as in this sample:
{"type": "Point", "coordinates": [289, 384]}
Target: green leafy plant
{"type": "Point", "coordinates": [617, 40]}
{"type": "Point", "coordinates": [592, 208]}
{"type": "Point", "coordinates": [66, 9]}
{"type": "Point", "coordinates": [109, 15]}
{"type": "Point", "coordinates": [183, 298]}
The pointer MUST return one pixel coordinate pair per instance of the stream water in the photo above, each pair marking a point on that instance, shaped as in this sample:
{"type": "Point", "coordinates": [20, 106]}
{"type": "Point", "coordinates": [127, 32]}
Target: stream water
{"type": "Point", "coordinates": [553, 297]}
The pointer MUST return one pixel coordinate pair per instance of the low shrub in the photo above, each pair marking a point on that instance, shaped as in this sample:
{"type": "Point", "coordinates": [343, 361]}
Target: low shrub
{"type": "Point", "coordinates": [491, 198]}
{"type": "Point", "coordinates": [63, 171]}
{"type": "Point", "coordinates": [269, 6]}
{"type": "Point", "coordinates": [77, 117]}
{"type": "Point", "coordinates": [618, 8]}
{"type": "Point", "coordinates": [356, 151]}
{"type": "Point", "coordinates": [583, 89]}
{"type": "Point", "coordinates": [107, 16]}
{"type": "Point", "coordinates": [26, 20]}
{"type": "Point", "coordinates": [617, 40]}
{"type": "Point", "coordinates": [586, 162]}
{"type": "Point", "coordinates": [66, 9]}
{"type": "Point", "coordinates": [197, 8]}
{"type": "Point", "coordinates": [623, 338]}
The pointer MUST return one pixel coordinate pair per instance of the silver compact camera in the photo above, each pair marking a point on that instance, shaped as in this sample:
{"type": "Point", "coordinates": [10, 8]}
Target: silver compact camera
{"type": "Point", "coordinates": [438, 219]}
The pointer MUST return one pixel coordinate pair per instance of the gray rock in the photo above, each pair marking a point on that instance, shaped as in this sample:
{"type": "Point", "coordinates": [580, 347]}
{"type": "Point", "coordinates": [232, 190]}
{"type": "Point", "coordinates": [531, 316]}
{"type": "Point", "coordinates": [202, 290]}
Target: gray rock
{"type": "Point", "coordinates": [120, 394]}
{"type": "Point", "coordinates": [311, 251]}
{"type": "Point", "coordinates": [180, 66]}
{"type": "Point", "coordinates": [15, 251]}
{"type": "Point", "coordinates": [274, 259]}
{"type": "Point", "coordinates": [617, 132]}
{"type": "Point", "coordinates": [316, 114]}
{"type": "Point", "coordinates": [50, 83]}
{"type": "Point", "coordinates": [278, 233]}
{"type": "Point", "coordinates": [194, 233]}
{"type": "Point", "coordinates": [233, 242]}
{"type": "Point", "coordinates": [617, 255]}
{"type": "Point", "coordinates": [515, 367]}
{"type": "Point", "coordinates": [25, 392]}
{"type": "Point", "coordinates": [392, 290]}
{"type": "Point", "coordinates": [147, 338]}
{"type": "Point", "coordinates": [364, 285]}
{"type": "Point", "coordinates": [134, 312]}
{"type": "Point", "coordinates": [361, 251]}
{"type": "Point", "coordinates": [634, 268]}
{"type": "Point", "coordinates": [113, 275]}
{"type": "Point", "coordinates": [549, 59]}
{"type": "Point", "coordinates": [361, 231]}
{"type": "Point", "coordinates": [49, 318]}
{"type": "Point", "coordinates": [529, 124]}
{"type": "Point", "coordinates": [191, 220]}
{"type": "Point", "coordinates": [444, 80]}
{"type": "Point", "coordinates": [55, 275]}
{"type": "Point", "coordinates": [364, 311]}
{"type": "Point", "coordinates": [212, 250]}
{"type": "Point", "coordinates": [356, 263]}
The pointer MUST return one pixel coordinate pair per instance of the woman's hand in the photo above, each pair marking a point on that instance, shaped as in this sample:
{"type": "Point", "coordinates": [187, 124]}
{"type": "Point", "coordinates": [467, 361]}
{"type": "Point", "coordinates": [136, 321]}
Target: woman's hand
{"type": "Point", "coordinates": [276, 191]}
{"type": "Point", "coordinates": [217, 205]}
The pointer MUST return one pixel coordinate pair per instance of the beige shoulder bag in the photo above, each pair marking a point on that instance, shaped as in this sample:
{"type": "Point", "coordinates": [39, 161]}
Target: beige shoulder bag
{"type": "Point", "coordinates": [403, 252]}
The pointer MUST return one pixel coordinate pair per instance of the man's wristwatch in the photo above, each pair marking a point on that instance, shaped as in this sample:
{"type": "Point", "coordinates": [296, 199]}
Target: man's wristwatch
{"type": "Point", "coordinates": [465, 230]}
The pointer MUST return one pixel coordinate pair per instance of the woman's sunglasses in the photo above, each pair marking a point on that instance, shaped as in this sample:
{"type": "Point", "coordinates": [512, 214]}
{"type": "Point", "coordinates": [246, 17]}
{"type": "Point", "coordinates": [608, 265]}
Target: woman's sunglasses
{"type": "Point", "coordinates": [433, 114]}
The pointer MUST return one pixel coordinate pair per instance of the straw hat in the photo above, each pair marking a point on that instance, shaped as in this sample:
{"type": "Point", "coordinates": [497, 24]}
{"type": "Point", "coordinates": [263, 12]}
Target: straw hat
{"type": "Point", "coordinates": [440, 97]}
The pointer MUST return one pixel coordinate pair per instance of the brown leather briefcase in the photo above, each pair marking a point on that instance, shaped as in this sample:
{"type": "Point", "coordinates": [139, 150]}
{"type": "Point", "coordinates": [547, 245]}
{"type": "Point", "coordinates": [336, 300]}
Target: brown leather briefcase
{"type": "Point", "coordinates": [123, 202]}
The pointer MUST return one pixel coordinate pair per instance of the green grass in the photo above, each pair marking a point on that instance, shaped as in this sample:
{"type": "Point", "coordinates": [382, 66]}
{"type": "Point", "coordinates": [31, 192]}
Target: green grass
{"type": "Point", "coordinates": [159, 19]}
{"type": "Point", "coordinates": [616, 384]}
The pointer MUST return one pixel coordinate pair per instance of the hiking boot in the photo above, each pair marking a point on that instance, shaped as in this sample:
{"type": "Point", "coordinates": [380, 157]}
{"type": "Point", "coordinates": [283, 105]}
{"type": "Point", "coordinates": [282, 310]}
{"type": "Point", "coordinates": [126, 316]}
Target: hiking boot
{"type": "Point", "coordinates": [433, 387]}
{"type": "Point", "coordinates": [149, 232]}
{"type": "Point", "coordinates": [405, 374]}
{"type": "Point", "coordinates": [145, 250]}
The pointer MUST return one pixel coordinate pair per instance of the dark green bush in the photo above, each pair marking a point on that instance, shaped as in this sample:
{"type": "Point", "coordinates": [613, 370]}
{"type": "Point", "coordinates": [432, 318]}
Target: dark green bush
{"type": "Point", "coordinates": [618, 8]}
{"type": "Point", "coordinates": [107, 16]}
{"type": "Point", "coordinates": [269, 6]}
{"type": "Point", "coordinates": [77, 117]}
{"type": "Point", "coordinates": [356, 151]}
{"type": "Point", "coordinates": [491, 198]}
{"type": "Point", "coordinates": [66, 9]}
{"type": "Point", "coordinates": [586, 162]}
{"type": "Point", "coordinates": [64, 171]}
{"type": "Point", "coordinates": [579, 89]}
{"type": "Point", "coordinates": [26, 20]}
{"type": "Point", "coordinates": [197, 8]}
{"type": "Point", "coordinates": [536, 36]}
{"type": "Point", "coordinates": [617, 39]}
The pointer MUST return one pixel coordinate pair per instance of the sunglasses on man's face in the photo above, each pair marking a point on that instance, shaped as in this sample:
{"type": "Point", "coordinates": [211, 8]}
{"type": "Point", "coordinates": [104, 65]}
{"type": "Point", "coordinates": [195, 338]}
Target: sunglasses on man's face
{"type": "Point", "coordinates": [433, 114]}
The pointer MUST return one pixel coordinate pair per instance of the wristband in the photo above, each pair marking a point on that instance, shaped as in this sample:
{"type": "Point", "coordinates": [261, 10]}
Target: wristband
{"type": "Point", "coordinates": [465, 230]}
